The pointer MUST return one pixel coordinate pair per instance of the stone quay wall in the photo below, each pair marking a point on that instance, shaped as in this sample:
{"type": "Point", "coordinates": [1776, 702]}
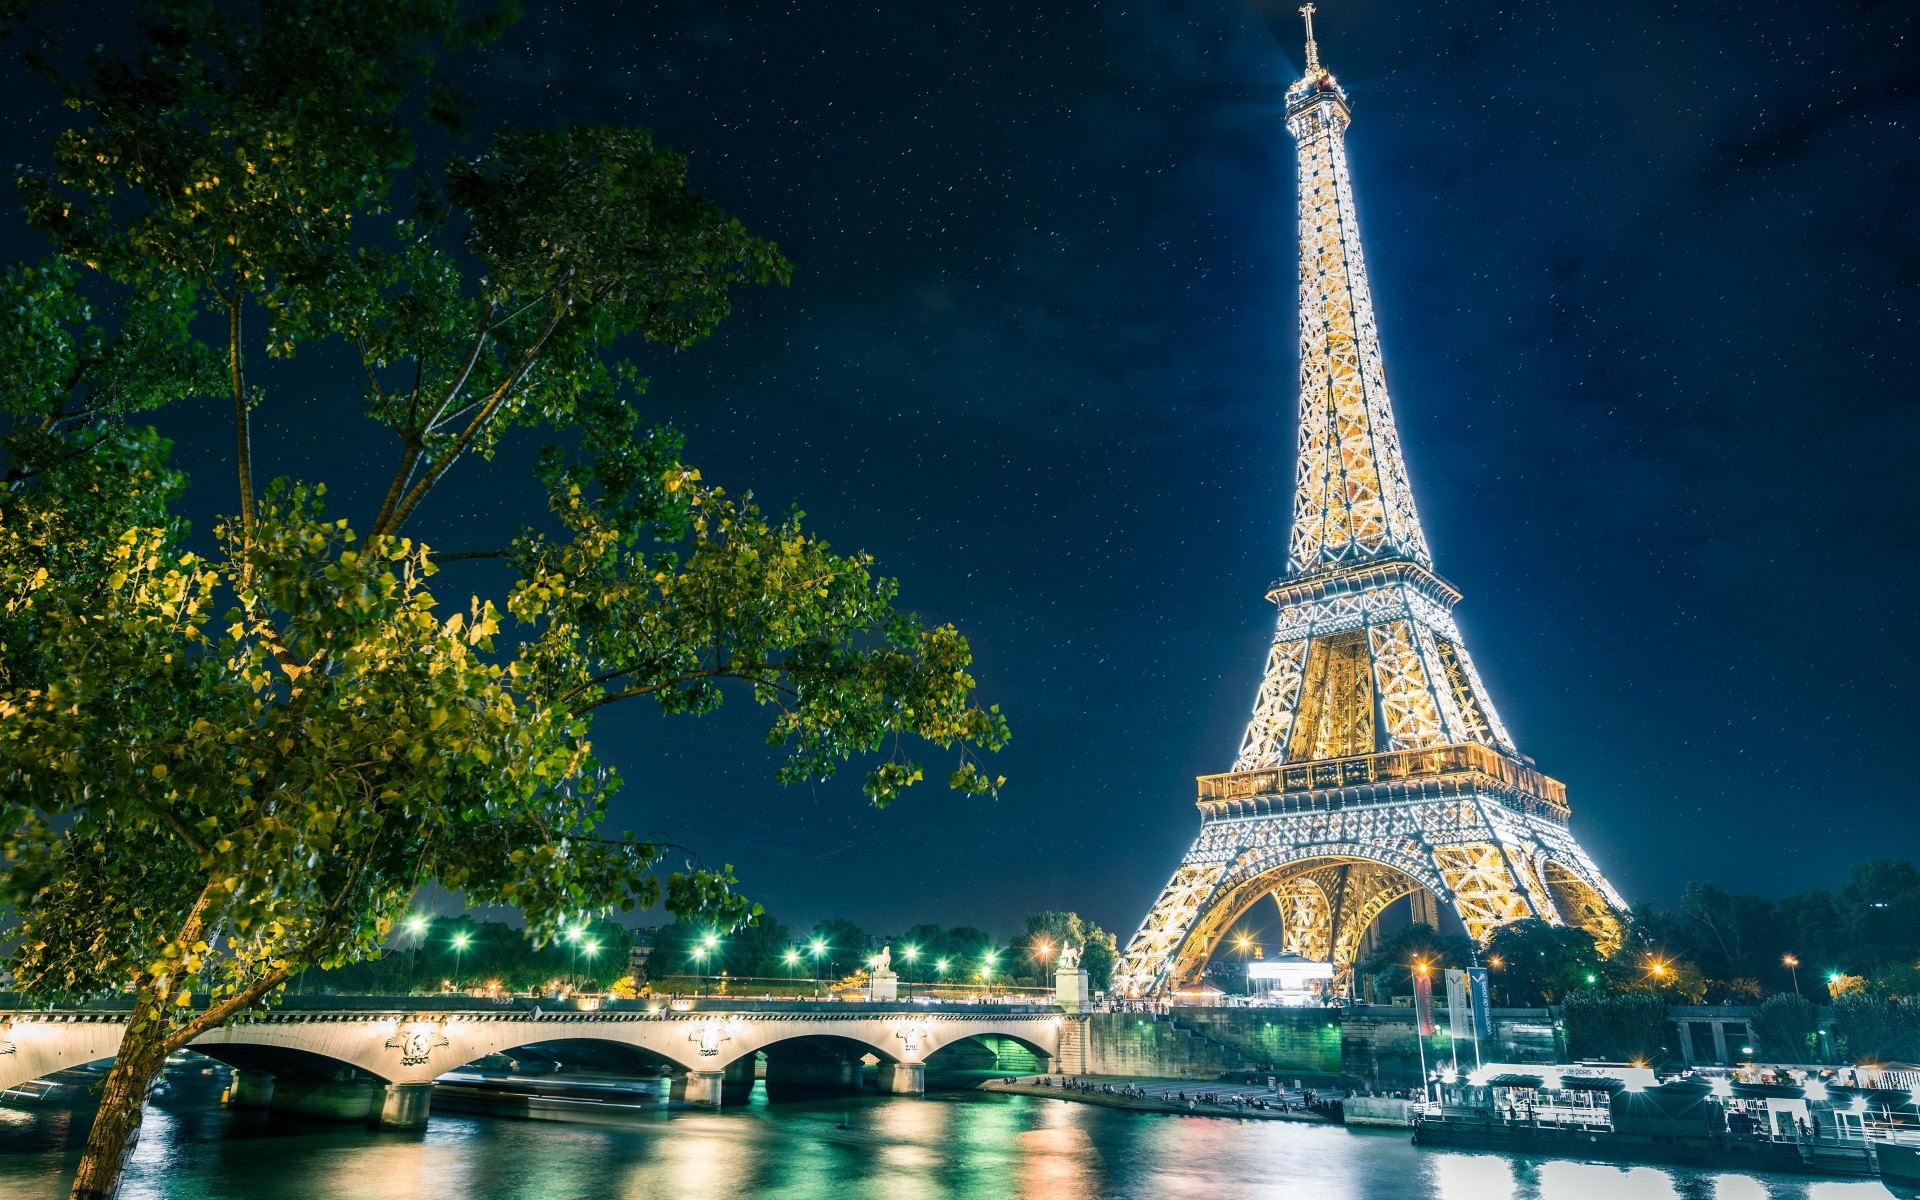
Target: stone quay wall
{"type": "Point", "coordinates": [1373, 1045]}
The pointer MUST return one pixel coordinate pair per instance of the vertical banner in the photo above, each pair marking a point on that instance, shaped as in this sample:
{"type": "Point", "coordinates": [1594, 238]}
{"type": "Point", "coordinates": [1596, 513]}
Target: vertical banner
{"type": "Point", "coordinates": [1482, 996]}
{"type": "Point", "coordinates": [1459, 1006]}
{"type": "Point", "coordinates": [1423, 1002]}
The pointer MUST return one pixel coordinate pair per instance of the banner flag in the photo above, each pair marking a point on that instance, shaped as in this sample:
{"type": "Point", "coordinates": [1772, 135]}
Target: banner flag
{"type": "Point", "coordinates": [1482, 995]}
{"type": "Point", "coordinates": [1423, 1002]}
{"type": "Point", "coordinates": [1459, 1006]}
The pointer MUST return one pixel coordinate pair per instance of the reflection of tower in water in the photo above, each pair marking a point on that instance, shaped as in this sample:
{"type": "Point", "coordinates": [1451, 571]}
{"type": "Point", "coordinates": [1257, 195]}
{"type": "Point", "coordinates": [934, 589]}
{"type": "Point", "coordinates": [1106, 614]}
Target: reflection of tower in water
{"type": "Point", "coordinates": [1375, 769]}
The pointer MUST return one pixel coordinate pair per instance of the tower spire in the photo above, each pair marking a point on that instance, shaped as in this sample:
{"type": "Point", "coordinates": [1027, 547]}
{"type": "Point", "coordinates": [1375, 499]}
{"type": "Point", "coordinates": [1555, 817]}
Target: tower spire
{"type": "Point", "coordinates": [1313, 48]}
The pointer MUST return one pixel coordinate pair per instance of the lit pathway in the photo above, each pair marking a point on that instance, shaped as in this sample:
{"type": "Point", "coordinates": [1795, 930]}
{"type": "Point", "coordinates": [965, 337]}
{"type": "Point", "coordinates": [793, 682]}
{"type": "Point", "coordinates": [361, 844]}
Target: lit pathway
{"type": "Point", "coordinates": [1025, 1085]}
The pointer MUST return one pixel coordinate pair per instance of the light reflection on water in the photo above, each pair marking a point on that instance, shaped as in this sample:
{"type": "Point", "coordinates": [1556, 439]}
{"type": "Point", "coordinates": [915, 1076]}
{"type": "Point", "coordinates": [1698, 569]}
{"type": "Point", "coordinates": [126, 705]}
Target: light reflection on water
{"type": "Point", "coordinates": [967, 1147]}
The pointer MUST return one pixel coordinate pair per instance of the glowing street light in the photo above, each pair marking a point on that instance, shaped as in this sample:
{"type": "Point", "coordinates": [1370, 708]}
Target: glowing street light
{"type": "Point", "coordinates": [460, 941]}
{"type": "Point", "coordinates": [416, 924]}
{"type": "Point", "coordinates": [1792, 964]}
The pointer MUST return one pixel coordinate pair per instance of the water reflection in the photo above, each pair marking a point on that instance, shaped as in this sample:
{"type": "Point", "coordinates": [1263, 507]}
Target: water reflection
{"type": "Point", "coordinates": [963, 1147]}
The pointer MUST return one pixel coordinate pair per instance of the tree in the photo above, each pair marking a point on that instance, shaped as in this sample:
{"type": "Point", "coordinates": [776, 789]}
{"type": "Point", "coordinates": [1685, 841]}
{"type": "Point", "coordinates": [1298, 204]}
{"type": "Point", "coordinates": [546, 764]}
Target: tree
{"type": "Point", "coordinates": [1872, 1028]}
{"type": "Point", "coordinates": [226, 759]}
{"type": "Point", "coordinates": [844, 947]}
{"type": "Point", "coordinates": [1054, 930]}
{"type": "Point", "coordinates": [1629, 1027]}
{"type": "Point", "coordinates": [1788, 1028]}
{"type": "Point", "coordinates": [1391, 961]}
{"type": "Point", "coordinates": [1534, 962]}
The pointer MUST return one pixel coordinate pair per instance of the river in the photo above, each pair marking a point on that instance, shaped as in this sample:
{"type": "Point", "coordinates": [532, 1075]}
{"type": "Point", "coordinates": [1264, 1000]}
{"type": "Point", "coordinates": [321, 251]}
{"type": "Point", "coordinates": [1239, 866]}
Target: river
{"type": "Point", "coordinates": [967, 1146]}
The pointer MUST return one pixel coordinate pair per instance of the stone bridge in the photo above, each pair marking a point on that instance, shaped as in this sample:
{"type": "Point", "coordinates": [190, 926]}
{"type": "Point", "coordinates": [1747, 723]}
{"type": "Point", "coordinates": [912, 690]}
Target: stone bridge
{"type": "Point", "coordinates": [709, 1050]}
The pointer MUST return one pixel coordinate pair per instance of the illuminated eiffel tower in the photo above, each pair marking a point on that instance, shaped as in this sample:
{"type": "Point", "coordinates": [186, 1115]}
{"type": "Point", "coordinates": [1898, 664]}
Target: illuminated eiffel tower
{"type": "Point", "coordinates": [1375, 767]}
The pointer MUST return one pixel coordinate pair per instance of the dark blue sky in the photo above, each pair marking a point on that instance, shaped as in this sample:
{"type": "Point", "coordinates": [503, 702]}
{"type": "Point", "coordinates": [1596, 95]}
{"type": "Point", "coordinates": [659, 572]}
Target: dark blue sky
{"type": "Point", "coordinates": [1648, 279]}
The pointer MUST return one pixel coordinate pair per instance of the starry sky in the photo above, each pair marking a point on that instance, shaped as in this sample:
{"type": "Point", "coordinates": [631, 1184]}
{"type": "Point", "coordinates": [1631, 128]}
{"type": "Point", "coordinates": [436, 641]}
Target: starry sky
{"type": "Point", "coordinates": [1648, 281]}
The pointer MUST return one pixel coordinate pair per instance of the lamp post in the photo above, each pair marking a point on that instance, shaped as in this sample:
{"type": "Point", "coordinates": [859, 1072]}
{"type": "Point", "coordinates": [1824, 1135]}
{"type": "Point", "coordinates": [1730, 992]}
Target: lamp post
{"type": "Point", "coordinates": [1420, 1037]}
{"type": "Point", "coordinates": [1792, 964]}
{"type": "Point", "coordinates": [460, 941]}
{"type": "Point", "coordinates": [417, 926]}
{"type": "Point", "coordinates": [912, 955]}
{"type": "Point", "coordinates": [816, 948]}
{"type": "Point", "coordinates": [700, 961]}
{"type": "Point", "coordinates": [940, 969]}
{"type": "Point", "coordinates": [572, 938]}
{"type": "Point", "coordinates": [986, 971]}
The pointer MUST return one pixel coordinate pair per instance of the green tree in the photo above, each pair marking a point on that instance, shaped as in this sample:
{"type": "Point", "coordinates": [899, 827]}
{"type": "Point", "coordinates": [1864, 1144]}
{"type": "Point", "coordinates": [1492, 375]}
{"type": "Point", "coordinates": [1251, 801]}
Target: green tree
{"type": "Point", "coordinates": [1628, 1027]}
{"type": "Point", "coordinates": [928, 943]}
{"type": "Point", "coordinates": [1055, 930]}
{"type": "Point", "coordinates": [1391, 961]}
{"type": "Point", "coordinates": [1533, 962]}
{"type": "Point", "coordinates": [1788, 1028]}
{"type": "Point", "coordinates": [844, 947]}
{"type": "Point", "coordinates": [228, 759]}
{"type": "Point", "coordinates": [1871, 1028]}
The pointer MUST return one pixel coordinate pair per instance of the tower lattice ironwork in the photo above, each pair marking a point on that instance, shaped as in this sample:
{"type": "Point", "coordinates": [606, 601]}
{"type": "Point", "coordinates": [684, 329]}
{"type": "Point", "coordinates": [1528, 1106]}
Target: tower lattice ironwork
{"type": "Point", "coordinates": [1375, 767]}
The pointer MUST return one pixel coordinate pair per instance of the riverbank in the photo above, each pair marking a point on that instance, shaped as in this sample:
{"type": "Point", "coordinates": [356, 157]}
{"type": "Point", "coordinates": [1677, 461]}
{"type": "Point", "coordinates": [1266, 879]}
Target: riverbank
{"type": "Point", "coordinates": [1224, 1106]}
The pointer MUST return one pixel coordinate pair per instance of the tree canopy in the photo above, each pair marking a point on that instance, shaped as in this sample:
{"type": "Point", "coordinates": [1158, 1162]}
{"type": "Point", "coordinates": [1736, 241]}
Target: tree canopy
{"type": "Point", "coordinates": [231, 754]}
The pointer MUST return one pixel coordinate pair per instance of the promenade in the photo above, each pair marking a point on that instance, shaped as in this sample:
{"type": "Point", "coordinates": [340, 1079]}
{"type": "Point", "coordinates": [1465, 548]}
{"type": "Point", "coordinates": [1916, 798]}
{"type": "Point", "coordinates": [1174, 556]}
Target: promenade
{"type": "Point", "coordinates": [1226, 1099]}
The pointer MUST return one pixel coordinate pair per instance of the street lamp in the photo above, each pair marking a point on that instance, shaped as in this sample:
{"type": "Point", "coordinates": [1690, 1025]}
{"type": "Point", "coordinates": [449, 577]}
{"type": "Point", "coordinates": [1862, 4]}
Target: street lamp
{"type": "Point", "coordinates": [700, 960]}
{"type": "Point", "coordinates": [592, 948]}
{"type": "Point", "coordinates": [417, 926]}
{"type": "Point", "coordinates": [986, 970]}
{"type": "Point", "coordinates": [1792, 964]}
{"type": "Point", "coordinates": [573, 958]}
{"type": "Point", "coordinates": [816, 948]}
{"type": "Point", "coordinates": [460, 941]}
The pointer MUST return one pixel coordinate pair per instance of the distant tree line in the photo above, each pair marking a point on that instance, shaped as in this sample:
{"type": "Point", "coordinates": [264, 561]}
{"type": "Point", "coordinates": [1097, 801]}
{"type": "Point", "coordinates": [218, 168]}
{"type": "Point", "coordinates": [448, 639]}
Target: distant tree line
{"type": "Point", "coordinates": [471, 954]}
{"type": "Point", "coordinates": [924, 954]}
{"type": "Point", "coordinates": [464, 953]}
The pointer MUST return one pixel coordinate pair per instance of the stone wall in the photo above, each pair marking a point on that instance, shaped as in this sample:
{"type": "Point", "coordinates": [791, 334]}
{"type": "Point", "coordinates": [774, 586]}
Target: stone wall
{"type": "Point", "coordinates": [1373, 1045]}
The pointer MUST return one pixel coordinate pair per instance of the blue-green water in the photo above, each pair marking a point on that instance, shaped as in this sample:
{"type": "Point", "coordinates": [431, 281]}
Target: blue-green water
{"type": "Point", "coordinates": [966, 1146]}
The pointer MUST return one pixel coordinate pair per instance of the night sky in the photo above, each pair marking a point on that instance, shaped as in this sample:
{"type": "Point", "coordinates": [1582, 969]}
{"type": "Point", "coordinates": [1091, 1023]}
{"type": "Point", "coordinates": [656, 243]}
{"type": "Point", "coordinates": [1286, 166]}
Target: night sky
{"type": "Point", "coordinates": [1648, 279]}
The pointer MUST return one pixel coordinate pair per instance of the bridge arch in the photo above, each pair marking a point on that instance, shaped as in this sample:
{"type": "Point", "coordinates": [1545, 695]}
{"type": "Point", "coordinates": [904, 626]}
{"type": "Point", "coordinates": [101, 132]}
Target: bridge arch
{"type": "Point", "coordinates": [34, 1044]}
{"type": "Point", "coordinates": [416, 1047]}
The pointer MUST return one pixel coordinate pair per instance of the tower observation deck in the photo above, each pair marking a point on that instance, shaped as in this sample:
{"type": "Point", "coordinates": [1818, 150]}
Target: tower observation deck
{"type": "Point", "coordinates": [1375, 767]}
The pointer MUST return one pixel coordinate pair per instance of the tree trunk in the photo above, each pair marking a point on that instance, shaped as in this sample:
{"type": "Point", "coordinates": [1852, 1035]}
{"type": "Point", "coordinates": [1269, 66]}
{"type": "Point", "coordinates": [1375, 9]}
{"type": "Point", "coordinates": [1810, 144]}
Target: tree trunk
{"type": "Point", "coordinates": [117, 1127]}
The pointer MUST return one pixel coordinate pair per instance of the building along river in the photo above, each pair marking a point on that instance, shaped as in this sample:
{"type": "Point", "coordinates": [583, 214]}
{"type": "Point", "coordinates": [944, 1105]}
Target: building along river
{"type": "Point", "coordinates": [964, 1145]}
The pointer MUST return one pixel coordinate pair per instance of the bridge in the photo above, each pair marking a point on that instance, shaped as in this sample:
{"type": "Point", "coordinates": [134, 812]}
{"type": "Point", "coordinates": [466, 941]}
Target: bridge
{"type": "Point", "coordinates": [400, 1046]}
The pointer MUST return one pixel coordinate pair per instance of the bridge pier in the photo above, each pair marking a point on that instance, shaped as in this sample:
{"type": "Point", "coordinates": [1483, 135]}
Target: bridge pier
{"type": "Point", "coordinates": [903, 1078]}
{"type": "Point", "coordinates": [703, 1089]}
{"type": "Point", "coordinates": [330, 1099]}
{"type": "Point", "coordinates": [799, 1070]}
{"type": "Point", "coordinates": [250, 1089]}
{"type": "Point", "coordinates": [401, 1106]}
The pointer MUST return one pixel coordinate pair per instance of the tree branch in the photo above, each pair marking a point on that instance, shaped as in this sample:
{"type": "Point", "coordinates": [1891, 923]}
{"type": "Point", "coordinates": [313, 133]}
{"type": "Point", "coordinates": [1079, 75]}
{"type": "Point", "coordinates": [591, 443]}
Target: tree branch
{"type": "Point", "coordinates": [243, 430]}
{"type": "Point", "coordinates": [419, 490]}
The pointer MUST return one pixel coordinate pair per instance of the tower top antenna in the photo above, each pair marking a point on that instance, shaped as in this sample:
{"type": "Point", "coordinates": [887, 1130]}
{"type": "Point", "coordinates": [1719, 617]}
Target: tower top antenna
{"type": "Point", "coordinates": [1313, 48]}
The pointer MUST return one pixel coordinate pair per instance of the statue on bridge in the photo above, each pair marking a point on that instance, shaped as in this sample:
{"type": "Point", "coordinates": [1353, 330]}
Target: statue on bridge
{"type": "Point", "coordinates": [1070, 956]}
{"type": "Point", "coordinates": [883, 961]}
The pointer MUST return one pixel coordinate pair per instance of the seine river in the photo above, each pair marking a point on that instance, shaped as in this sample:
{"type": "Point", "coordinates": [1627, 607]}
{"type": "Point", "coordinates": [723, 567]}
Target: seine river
{"type": "Point", "coordinates": [968, 1146]}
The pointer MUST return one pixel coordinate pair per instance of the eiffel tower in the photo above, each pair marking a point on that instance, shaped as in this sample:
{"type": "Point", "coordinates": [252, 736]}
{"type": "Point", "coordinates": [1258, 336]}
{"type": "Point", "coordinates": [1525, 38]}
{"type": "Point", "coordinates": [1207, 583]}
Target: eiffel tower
{"type": "Point", "coordinates": [1375, 768]}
